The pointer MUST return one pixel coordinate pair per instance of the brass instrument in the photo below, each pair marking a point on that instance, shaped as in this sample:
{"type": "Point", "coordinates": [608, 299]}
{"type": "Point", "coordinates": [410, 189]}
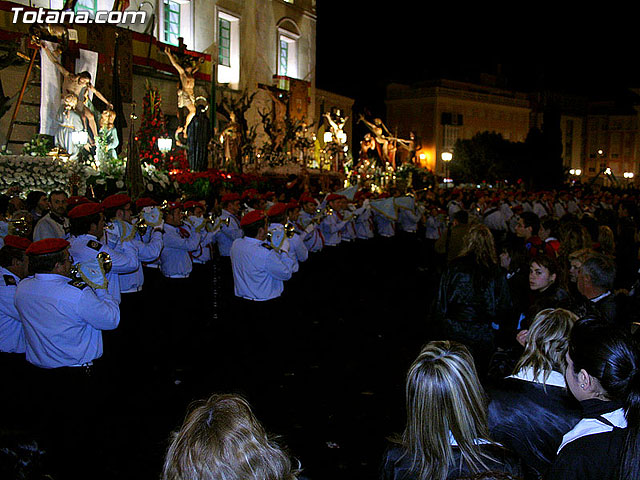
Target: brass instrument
{"type": "Point", "coordinates": [105, 260]}
{"type": "Point", "coordinates": [321, 213]}
{"type": "Point", "coordinates": [289, 230]}
{"type": "Point", "coordinates": [140, 224]}
{"type": "Point", "coordinates": [215, 223]}
{"type": "Point", "coordinates": [88, 273]}
{"type": "Point", "coordinates": [21, 224]}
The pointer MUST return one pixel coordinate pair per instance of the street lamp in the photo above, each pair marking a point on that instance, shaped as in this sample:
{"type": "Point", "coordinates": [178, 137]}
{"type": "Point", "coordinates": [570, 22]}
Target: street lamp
{"type": "Point", "coordinates": [446, 158]}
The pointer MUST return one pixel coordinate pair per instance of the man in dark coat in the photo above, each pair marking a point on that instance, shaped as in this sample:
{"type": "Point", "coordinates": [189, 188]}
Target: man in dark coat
{"type": "Point", "coordinates": [595, 282]}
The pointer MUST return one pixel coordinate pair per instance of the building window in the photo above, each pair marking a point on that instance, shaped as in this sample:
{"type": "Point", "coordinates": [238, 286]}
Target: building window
{"type": "Point", "coordinates": [287, 56]}
{"type": "Point", "coordinates": [228, 35]}
{"type": "Point", "coordinates": [224, 42]}
{"type": "Point", "coordinates": [284, 57]}
{"type": "Point", "coordinates": [171, 22]}
{"type": "Point", "coordinates": [88, 5]}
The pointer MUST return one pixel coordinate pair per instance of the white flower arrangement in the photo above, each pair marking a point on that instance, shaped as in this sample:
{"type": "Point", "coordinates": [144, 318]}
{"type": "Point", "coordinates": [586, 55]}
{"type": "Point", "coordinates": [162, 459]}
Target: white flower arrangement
{"type": "Point", "coordinates": [51, 173]}
{"type": "Point", "coordinates": [34, 173]}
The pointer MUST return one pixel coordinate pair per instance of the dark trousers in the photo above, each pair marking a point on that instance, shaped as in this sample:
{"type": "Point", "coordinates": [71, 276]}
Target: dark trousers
{"type": "Point", "coordinates": [68, 406]}
{"type": "Point", "coordinates": [177, 336]}
{"type": "Point", "coordinates": [253, 347]}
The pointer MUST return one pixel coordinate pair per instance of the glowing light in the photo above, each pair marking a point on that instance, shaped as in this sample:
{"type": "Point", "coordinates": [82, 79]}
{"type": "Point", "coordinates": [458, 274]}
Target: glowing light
{"type": "Point", "coordinates": [327, 137]}
{"type": "Point", "coordinates": [607, 171]}
{"type": "Point", "coordinates": [628, 175]}
{"type": "Point", "coordinates": [164, 144]}
{"type": "Point", "coordinates": [446, 156]}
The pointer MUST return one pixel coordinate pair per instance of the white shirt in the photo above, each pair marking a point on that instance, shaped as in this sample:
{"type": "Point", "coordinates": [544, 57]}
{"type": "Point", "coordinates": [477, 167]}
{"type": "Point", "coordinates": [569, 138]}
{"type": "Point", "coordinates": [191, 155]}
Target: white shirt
{"type": "Point", "coordinates": [259, 271]}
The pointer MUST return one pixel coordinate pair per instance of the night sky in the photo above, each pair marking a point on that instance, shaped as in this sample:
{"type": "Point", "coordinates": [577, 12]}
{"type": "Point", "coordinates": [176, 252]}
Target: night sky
{"type": "Point", "coordinates": [586, 53]}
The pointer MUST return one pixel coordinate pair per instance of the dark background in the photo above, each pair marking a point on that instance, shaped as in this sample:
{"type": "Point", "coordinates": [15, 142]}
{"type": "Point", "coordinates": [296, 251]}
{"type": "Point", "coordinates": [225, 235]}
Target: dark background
{"type": "Point", "coordinates": [362, 46]}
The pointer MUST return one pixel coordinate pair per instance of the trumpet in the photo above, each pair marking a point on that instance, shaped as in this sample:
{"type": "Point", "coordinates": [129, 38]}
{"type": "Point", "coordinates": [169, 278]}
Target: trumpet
{"type": "Point", "coordinates": [321, 213]}
{"type": "Point", "coordinates": [92, 274]}
{"type": "Point", "coordinates": [104, 259]}
{"type": "Point", "coordinates": [213, 223]}
{"type": "Point", "coordinates": [140, 224]}
{"type": "Point", "coordinates": [289, 230]}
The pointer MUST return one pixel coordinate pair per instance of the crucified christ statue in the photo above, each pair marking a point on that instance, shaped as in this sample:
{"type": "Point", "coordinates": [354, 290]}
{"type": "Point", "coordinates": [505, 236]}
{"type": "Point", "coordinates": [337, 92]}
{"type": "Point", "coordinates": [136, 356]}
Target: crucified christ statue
{"type": "Point", "coordinates": [186, 96]}
{"type": "Point", "coordinates": [80, 85]}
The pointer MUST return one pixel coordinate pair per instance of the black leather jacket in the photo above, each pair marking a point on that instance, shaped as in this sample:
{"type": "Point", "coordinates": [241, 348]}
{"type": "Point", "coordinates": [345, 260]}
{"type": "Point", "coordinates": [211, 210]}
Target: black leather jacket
{"type": "Point", "coordinates": [471, 294]}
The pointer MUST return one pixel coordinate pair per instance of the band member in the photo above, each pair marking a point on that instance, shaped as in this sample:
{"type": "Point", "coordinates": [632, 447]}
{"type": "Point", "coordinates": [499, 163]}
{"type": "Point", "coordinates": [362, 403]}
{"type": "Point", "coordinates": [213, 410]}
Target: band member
{"type": "Point", "coordinates": [87, 232]}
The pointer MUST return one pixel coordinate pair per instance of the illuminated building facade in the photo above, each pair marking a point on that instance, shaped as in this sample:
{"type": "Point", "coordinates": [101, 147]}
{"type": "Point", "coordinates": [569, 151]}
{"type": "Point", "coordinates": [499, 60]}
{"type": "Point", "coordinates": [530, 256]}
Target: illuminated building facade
{"type": "Point", "coordinates": [444, 111]}
{"type": "Point", "coordinates": [595, 135]}
{"type": "Point", "coordinates": [243, 44]}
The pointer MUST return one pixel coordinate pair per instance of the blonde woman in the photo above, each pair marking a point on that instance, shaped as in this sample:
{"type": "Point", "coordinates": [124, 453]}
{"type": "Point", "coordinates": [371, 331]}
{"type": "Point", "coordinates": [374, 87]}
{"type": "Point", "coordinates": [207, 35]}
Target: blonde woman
{"type": "Point", "coordinates": [531, 410]}
{"type": "Point", "coordinates": [474, 299]}
{"type": "Point", "coordinates": [222, 439]}
{"type": "Point", "coordinates": [446, 434]}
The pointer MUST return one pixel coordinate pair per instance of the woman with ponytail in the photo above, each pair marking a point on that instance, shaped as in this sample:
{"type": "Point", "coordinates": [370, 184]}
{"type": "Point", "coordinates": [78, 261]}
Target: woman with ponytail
{"type": "Point", "coordinates": [603, 366]}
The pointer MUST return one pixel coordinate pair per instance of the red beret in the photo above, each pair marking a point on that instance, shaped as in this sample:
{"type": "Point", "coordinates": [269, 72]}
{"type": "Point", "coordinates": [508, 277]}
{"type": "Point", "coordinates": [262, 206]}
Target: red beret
{"type": "Point", "coordinates": [192, 204]}
{"type": "Point", "coordinates": [85, 209]}
{"type": "Point", "coordinates": [252, 217]}
{"type": "Point", "coordinates": [116, 200]}
{"type": "Point", "coordinates": [77, 200]}
{"type": "Point", "coordinates": [172, 206]}
{"type": "Point", "coordinates": [230, 197]}
{"type": "Point", "coordinates": [17, 242]}
{"type": "Point", "coordinates": [306, 198]}
{"type": "Point", "coordinates": [334, 196]}
{"type": "Point", "coordinates": [145, 202]}
{"type": "Point", "coordinates": [293, 204]}
{"type": "Point", "coordinates": [277, 209]}
{"type": "Point", "coordinates": [47, 245]}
